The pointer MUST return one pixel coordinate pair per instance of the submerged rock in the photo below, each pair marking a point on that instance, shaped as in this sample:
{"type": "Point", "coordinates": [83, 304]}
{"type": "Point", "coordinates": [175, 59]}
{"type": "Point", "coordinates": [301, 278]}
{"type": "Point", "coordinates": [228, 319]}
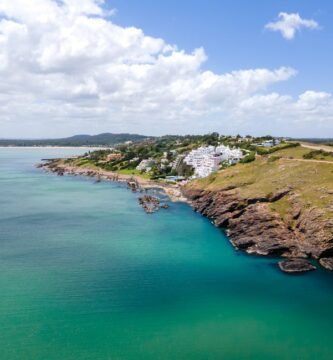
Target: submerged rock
{"type": "Point", "coordinates": [133, 185]}
{"type": "Point", "coordinates": [151, 204]}
{"type": "Point", "coordinates": [295, 266]}
{"type": "Point", "coordinates": [164, 206]}
{"type": "Point", "coordinates": [327, 263]}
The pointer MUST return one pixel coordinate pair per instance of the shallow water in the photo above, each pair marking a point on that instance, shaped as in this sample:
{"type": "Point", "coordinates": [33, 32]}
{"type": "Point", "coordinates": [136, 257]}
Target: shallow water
{"type": "Point", "coordinates": [86, 274]}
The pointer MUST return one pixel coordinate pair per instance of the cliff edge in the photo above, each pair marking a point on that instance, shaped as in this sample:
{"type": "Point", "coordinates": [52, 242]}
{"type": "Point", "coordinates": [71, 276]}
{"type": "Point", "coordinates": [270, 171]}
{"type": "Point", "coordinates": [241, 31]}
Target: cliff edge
{"type": "Point", "coordinates": [277, 206]}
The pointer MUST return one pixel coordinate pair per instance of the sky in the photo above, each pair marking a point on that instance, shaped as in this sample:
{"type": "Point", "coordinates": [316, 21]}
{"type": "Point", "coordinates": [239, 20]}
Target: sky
{"type": "Point", "coordinates": [166, 67]}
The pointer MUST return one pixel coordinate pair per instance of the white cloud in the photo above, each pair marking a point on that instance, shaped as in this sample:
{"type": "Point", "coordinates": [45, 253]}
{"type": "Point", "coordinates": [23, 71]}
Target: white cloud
{"type": "Point", "coordinates": [289, 24]}
{"type": "Point", "coordinates": [66, 68]}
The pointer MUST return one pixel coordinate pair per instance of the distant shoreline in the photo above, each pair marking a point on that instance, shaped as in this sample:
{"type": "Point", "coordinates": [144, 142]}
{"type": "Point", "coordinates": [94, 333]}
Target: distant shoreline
{"type": "Point", "coordinates": [53, 147]}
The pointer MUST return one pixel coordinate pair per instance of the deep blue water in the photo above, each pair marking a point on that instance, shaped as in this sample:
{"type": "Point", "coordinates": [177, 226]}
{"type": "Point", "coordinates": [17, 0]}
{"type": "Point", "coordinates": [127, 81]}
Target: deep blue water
{"type": "Point", "coordinates": [86, 274]}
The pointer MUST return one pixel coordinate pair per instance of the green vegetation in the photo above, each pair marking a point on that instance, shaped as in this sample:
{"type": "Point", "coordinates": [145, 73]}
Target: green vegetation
{"type": "Point", "coordinates": [249, 158]}
{"type": "Point", "coordinates": [165, 154]}
{"type": "Point", "coordinates": [313, 181]}
{"type": "Point", "coordinates": [292, 153]}
{"type": "Point", "coordinates": [266, 151]}
{"type": "Point", "coordinates": [281, 207]}
{"type": "Point", "coordinates": [262, 171]}
{"type": "Point", "coordinates": [106, 139]}
{"type": "Point", "coordinates": [319, 155]}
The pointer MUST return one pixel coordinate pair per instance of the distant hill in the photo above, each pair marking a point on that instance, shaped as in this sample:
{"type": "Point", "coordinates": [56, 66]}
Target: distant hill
{"type": "Point", "coordinates": [77, 140]}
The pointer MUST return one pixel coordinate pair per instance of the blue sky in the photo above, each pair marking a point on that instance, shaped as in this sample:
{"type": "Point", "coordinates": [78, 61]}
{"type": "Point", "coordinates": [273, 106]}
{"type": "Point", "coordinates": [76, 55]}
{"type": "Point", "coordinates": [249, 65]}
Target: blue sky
{"type": "Point", "coordinates": [155, 67]}
{"type": "Point", "coordinates": [233, 35]}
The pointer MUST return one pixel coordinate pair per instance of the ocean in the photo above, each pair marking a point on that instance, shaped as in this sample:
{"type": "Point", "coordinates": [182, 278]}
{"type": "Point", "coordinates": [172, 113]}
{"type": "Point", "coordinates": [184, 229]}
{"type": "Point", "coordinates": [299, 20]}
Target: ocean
{"type": "Point", "coordinates": [86, 274]}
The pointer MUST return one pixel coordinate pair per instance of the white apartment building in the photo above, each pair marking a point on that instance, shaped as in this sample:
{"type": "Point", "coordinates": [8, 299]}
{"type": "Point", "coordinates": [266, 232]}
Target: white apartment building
{"type": "Point", "coordinates": [206, 159]}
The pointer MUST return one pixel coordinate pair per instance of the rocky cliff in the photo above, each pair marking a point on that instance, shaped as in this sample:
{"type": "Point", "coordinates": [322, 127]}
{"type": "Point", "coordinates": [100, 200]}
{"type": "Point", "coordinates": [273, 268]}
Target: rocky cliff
{"type": "Point", "coordinates": [253, 226]}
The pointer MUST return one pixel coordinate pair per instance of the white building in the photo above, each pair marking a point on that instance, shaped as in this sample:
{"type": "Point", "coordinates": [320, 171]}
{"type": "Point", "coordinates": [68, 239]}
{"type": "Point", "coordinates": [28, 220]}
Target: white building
{"type": "Point", "coordinates": [267, 143]}
{"type": "Point", "coordinates": [206, 159]}
{"type": "Point", "coordinates": [270, 143]}
{"type": "Point", "coordinates": [146, 165]}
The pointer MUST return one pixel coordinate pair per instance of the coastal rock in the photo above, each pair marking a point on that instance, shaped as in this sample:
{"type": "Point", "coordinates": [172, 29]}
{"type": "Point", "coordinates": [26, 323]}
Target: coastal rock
{"type": "Point", "coordinates": [314, 232]}
{"type": "Point", "coordinates": [252, 226]}
{"type": "Point", "coordinates": [133, 185]}
{"type": "Point", "coordinates": [327, 263]}
{"type": "Point", "coordinates": [296, 266]}
{"type": "Point", "coordinates": [164, 206]}
{"type": "Point", "coordinates": [151, 204]}
{"type": "Point", "coordinates": [268, 234]}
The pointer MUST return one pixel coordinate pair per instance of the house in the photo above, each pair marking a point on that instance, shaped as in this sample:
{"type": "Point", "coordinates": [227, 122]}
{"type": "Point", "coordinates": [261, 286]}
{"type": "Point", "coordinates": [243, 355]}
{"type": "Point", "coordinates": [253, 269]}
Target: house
{"type": "Point", "coordinates": [270, 143]}
{"type": "Point", "coordinates": [267, 143]}
{"type": "Point", "coordinates": [114, 156]}
{"type": "Point", "coordinates": [146, 165]}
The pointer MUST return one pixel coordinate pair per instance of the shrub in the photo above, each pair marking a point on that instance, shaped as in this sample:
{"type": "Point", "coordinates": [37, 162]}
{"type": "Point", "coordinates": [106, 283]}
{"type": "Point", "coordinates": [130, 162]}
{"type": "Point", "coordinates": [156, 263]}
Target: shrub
{"type": "Point", "coordinates": [316, 153]}
{"type": "Point", "coordinates": [248, 158]}
{"type": "Point", "coordinates": [266, 151]}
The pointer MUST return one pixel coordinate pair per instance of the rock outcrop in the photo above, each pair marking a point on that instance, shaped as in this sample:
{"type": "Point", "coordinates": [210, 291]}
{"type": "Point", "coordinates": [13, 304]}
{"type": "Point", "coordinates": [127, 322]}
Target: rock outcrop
{"type": "Point", "coordinates": [296, 266]}
{"type": "Point", "coordinates": [327, 263]}
{"type": "Point", "coordinates": [151, 204]}
{"type": "Point", "coordinates": [252, 226]}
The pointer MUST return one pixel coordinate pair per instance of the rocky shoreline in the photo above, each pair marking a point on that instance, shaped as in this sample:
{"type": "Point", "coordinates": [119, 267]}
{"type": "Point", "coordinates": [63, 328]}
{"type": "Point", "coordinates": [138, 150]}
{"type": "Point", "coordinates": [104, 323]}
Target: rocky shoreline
{"type": "Point", "coordinates": [135, 183]}
{"type": "Point", "coordinates": [250, 224]}
{"type": "Point", "coordinates": [254, 228]}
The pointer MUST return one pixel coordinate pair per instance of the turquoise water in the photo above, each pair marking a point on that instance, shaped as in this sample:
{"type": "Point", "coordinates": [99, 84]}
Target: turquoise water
{"type": "Point", "coordinates": [86, 274]}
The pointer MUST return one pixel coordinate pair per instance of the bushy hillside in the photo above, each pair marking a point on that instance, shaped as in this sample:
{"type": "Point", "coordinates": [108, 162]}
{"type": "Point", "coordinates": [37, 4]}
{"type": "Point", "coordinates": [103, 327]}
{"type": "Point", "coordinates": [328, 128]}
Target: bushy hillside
{"type": "Point", "coordinates": [77, 140]}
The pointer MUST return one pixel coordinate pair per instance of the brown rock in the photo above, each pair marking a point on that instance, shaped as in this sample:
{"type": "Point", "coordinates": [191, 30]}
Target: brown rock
{"type": "Point", "coordinates": [296, 266]}
{"type": "Point", "coordinates": [253, 227]}
{"type": "Point", "coordinates": [327, 263]}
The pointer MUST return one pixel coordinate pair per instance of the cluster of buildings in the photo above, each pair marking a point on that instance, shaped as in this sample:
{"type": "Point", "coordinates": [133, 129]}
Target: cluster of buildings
{"type": "Point", "coordinates": [147, 164]}
{"type": "Point", "coordinates": [206, 159]}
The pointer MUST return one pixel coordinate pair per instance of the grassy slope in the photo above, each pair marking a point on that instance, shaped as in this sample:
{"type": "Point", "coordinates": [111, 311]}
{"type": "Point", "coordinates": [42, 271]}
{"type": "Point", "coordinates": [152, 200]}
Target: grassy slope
{"type": "Point", "coordinates": [311, 180]}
